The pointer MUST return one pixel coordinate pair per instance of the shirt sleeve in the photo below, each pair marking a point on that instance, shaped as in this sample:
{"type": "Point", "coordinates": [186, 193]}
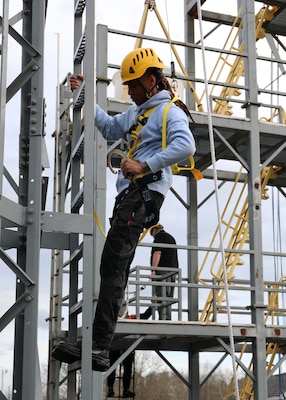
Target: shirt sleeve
{"type": "Point", "coordinates": [113, 127]}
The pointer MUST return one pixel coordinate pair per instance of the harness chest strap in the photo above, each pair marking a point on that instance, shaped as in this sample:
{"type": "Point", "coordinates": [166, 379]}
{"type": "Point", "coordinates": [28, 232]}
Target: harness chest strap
{"type": "Point", "coordinates": [134, 139]}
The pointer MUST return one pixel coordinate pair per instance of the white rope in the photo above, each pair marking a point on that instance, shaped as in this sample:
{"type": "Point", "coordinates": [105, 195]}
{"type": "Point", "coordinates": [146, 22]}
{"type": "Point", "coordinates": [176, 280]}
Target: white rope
{"type": "Point", "coordinates": [168, 29]}
{"type": "Point", "coordinates": [212, 148]}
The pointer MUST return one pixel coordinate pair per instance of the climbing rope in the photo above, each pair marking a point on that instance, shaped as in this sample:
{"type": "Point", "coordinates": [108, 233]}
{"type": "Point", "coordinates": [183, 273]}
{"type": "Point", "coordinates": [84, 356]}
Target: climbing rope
{"type": "Point", "coordinates": [174, 82]}
{"type": "Point", "coordinates": [212, 149]}
{"type": "Point", "coordinates": [168, 30]}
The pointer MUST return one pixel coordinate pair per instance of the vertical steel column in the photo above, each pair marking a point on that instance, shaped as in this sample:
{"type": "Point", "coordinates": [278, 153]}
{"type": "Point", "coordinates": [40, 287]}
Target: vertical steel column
{"type": "Point", "coordinates": [192, 219]}
{"type": "Point", "coordinates": [87, 378]}
{"type": "Point", "coordinates": [100, 149]}
{"type": "Point", "coordinates": [254, 195]}
{"type": "Point", "coordinates": [26, 372]}
{"type": "Point", "coordinates": [193, 304]}
{"type": "Point", "coordinates": [3, 83]}
{"type": "Point", "coordinates": [32, 121]}
{"type": "Point", "coordinates": [189, 25]}
{"type": "Point", "coordinates": [23, 201]}
{"type": "Point", "coordinates": [100, 171]}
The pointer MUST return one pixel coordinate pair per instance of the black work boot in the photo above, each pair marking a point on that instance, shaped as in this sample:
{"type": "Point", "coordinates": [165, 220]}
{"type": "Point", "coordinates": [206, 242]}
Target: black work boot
{"type": "Point", "coordinates": [100, 359]}
{"type": "Point", "coordinates": [71, 352]}
{"type": "Point", "coordinates": [67, 352]}
{"type": "Point", "coordinates": [110, 392]}
{"type": "Point", "coordinates": [127, 393]}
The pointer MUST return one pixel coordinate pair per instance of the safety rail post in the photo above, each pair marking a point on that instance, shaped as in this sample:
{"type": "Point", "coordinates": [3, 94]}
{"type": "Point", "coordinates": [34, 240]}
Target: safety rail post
{"type": "Point", "coordinates": [137, 290]}
{"type": "Point", "coordinates": [180, 299]}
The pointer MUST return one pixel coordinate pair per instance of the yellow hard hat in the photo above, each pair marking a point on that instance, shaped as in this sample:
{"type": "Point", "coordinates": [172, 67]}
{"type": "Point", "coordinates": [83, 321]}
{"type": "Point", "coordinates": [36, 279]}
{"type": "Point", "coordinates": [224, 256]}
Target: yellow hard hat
{"type": "Point", "coordinates": [137, 62]}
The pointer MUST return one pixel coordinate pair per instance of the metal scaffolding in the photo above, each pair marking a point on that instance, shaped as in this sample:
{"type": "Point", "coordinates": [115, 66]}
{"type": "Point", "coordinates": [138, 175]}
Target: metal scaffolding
{"type": "Point", "coordinates": [249, 129]}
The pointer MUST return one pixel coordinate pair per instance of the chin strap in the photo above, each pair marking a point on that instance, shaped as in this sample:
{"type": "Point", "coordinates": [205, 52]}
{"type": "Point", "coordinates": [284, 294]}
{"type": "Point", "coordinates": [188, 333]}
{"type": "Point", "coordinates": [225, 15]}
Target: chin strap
{"type": "Point", "coordinates": [148, 93]}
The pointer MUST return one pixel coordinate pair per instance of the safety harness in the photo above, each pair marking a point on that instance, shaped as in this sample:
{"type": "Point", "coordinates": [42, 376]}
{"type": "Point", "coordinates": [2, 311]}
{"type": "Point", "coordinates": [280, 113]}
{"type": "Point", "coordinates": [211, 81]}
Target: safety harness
{"type": "Point", "coordinates": [141, 181]}
{"type": "Point", "coordinates": [135, 141]}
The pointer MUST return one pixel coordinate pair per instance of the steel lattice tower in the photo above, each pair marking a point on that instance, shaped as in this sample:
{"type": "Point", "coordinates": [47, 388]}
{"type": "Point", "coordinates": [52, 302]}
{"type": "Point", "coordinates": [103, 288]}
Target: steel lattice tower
{"type": "Point", "coordinates": [70, 230]}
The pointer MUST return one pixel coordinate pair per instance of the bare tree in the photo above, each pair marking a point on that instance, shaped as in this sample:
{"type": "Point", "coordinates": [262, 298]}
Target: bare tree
{"type": "Point", "coordinates": [154, 380]}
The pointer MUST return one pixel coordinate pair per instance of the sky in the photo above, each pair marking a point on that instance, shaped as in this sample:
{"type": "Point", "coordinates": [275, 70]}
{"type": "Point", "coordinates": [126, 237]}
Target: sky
{"type": "Point", "coordinates": [122, 16]}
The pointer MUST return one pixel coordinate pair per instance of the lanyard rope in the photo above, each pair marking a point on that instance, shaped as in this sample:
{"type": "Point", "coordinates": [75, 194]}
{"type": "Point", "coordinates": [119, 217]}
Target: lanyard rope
{"type": "Point", "coordinates": [212, 148]}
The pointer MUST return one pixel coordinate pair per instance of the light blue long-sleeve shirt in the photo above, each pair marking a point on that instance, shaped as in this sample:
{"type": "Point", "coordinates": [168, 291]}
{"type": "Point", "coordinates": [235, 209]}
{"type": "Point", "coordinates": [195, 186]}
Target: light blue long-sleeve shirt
{"type": "Point", "coordinates": [180, 141]}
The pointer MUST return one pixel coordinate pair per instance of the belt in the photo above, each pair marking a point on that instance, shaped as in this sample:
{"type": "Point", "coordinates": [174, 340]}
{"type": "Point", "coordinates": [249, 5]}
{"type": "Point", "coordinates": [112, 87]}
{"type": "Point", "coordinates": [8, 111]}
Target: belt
{"type": "Point", "coordinates": [157, 176]}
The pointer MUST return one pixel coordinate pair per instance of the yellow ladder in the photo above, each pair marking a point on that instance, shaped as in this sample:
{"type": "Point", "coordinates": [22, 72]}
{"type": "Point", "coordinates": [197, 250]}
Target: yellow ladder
{"type": "Point", "coordinates": [235, 63]}
{"type": "Point", "coordinates": [235, 235]}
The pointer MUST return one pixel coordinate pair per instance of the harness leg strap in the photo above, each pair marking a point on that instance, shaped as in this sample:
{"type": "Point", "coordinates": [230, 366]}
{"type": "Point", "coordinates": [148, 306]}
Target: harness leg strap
{"type": "Point", "coordinates": [152, 215]}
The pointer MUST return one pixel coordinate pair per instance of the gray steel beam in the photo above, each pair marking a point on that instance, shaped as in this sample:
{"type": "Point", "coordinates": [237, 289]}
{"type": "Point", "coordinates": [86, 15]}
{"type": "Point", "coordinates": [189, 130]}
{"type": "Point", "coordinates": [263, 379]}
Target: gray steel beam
{"type": "Point", "coordinates": [13, 212]}
{"type": "Point", "coordinates": [191, 6]}
{"type": "Point", "coordinates": [190, 53]}
{"type": "Point", "coordinates": [16, 309]}
{"type": "Point", "coordinates": [254, 195]}
{"type": "Point", "coordinates": [26, 382]}
{"type": "Point", "coordinates": [193, 294]}
{"type": "Point", "coordinates": [3, 83]}
{"type": "Point", "coordinates": [74, 223]}
{"type": "Point", "coordinates": [100, 173]}
{"type": "Point", "coordinates": [31, 386]}
{"type": "Point", "coordinates": [16, 269]}
{"type": "Point", "coordinates": [88, 380]}
{"type": "Point", "coordinates": [181, 328]}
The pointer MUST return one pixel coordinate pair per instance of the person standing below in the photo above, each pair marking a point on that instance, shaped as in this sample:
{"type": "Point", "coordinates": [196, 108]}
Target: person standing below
{"type": "Point", "coordinates": [127, 364]}
{"type": "Point", "coordinates": [163, 257]}
{"type": "Point", "coordinates": [143, 181]}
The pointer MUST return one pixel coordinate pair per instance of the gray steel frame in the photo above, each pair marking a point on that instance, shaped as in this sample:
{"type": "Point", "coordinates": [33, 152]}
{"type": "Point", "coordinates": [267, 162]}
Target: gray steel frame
{"type": "Point", "coordinates": [70, 231]}
{"type": "Point", "coordinates": [24, 215]}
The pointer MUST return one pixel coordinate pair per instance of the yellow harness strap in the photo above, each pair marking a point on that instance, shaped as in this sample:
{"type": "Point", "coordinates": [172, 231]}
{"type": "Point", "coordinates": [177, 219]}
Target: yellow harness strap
{"type": "Point", "coordinates": [175, 167]}
{"type": "Point", "coordinates": [135, 139]}
{"type": "Point", "coordinates": [95, 216]}
{"type": "Point", "coordinates": [97, 220]}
